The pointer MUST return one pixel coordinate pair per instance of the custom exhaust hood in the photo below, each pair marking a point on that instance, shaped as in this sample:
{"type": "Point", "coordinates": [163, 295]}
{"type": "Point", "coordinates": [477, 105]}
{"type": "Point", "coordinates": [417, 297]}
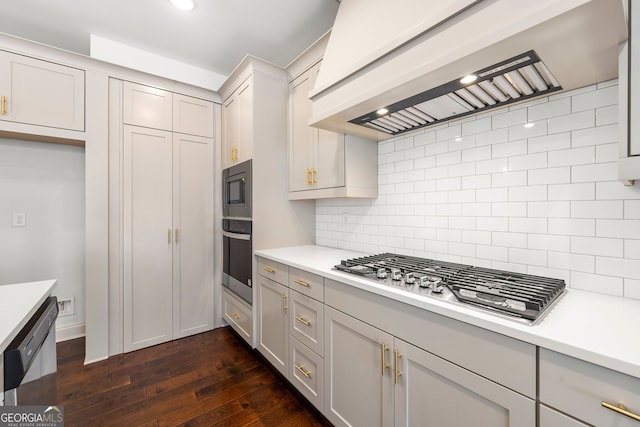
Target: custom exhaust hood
{"type": "Point", "coordinates": [388, 71]}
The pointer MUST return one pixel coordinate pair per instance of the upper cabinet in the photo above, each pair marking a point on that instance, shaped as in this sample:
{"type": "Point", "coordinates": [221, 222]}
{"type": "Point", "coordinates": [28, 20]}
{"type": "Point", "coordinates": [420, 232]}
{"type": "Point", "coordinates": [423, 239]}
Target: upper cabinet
{"type": "Point", "coordinates": [36, 92]}
{"type": "Point", "coordinates": [322, 163]}
{"type": "Point", "coordinates": [237, 124]}
{"type": "Point", "coordinates": [155, 108]}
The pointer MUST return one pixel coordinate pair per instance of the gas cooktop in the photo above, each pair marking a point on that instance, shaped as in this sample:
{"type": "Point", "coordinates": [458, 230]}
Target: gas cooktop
{"type": "Point", "coordinates": [516, 295]}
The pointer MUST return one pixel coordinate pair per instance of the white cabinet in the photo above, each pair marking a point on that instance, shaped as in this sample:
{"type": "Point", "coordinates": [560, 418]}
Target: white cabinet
{"type": "Point", "coordinates": [166, 206]}
{"type": "Point", "coordinates": [582, 390]}
{"type": "Point", "coordinates": [273, 322]}
{"type": "Point", "coordinates": [41, 93]}
{"type": "Point", "coordinates": [237, 124]}
{"type": "Point", "coordinates": [322, 163]}
{"type": "Point", "coordinates": [238, 314]}
{"type": "Point", "coordinates": [148, 237]}
{"type": "Point", "coordinates": [551, 418]}
{"type": "Point", "coordinates": [358, 382]}
{"type": "Point", "coordinates": [373, 378]}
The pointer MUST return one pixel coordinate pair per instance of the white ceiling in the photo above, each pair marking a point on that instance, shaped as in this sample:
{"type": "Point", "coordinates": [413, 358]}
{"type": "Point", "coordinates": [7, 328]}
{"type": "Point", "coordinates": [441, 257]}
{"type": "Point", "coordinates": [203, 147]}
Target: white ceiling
{"type": "Point", "coordinates": [215, 36]}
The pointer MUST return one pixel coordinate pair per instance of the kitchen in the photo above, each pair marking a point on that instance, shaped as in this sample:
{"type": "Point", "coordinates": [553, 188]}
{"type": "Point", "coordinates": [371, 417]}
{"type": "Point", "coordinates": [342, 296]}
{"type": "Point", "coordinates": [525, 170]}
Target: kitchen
{"type": "Point", "coordinates": [480, 190]}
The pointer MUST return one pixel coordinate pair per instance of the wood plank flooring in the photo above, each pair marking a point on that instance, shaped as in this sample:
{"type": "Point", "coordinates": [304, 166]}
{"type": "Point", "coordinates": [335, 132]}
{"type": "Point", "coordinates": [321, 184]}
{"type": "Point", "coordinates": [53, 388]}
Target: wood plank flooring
{"type": "Point", "coordinates": [210, 379]}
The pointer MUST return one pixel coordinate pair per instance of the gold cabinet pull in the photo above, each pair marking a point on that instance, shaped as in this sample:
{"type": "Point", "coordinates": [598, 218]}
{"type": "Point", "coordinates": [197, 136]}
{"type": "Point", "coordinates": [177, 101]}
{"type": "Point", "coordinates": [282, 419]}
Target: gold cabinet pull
{"type": "Point", "coordinates": [397, 356]}
{"type": "Point", "coordinates": [308, 176]}
{"type": "Point", "coordinates": [302, 283]}
{"type": "Point", "coordinates": [235, 315]}
{"type": "Point", "coordinates": [4, 105]}
{"type": "Point", "coordinates": [176, 239]}
{"type": "Point", "coordinates": [383, 351]}
{"type": "Point", "coordinates": [234, 154]}
{"type": "Point", "coordinates": [303, 321]}
{"type": "Point", "coordinates": [283, 303]}
{"type": "Point", "coordinates": [169, 236]}
{"type": "Point", "coordinates": [313, 176]}
{"type": "Point", "coordinates": [268, 269]}
{"type": "Point", "coordinates": [300, 369]}
{"type": "Point", "coordinates": [621, 409]}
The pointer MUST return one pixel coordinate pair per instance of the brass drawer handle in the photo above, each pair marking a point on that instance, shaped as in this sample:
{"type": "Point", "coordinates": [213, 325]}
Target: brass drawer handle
{"type": "Point", "coordinates": [269, 269]}
{"type": "Point", "coordinates": [235, 315]}
{"type": "Point", "coordinates": [621, 409]}
{"type": "Point", "coordinates": [300, 369]}
{"type": "Point", "coordinates": [303, 321]}
{"type": "Point", "coordinates": [397, 367]}
{"type": "Point", "coordinates": [4, 105]}
{"type": "Point", "coordinates": [283, 303]}
{"type": "Point", "coordinates": [383, 351]}
{"type": "Point", "coordinates": [302, 283]}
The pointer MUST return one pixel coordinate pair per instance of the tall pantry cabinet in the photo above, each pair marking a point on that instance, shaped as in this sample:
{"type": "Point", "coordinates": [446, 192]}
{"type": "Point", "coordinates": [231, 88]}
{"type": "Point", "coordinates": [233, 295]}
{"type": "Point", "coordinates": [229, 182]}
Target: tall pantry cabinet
{"type": "Point", "coordinates": [165, 154]}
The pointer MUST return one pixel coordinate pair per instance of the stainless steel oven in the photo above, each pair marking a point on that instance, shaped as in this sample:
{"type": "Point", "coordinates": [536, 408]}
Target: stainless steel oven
{"type": "Point", "coordinates": [236, 191]}
{"type": "Point", "coordinates": [237, 257]}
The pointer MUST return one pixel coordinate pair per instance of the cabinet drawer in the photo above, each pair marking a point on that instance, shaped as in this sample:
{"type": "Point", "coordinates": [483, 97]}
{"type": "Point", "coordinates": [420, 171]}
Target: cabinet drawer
{"type": "Point", "coordinates": [306, 321]}
{"type": "Point", "coordinates": [306, 372]}
{"type": "Point", "coordinates": [238, 315]}
{"type": "Point", "coordinates": [307, 283]}
{"type": "Point", "coordinates": [578, 388]}
{"type": "Point", "coordinates": [273, 270]}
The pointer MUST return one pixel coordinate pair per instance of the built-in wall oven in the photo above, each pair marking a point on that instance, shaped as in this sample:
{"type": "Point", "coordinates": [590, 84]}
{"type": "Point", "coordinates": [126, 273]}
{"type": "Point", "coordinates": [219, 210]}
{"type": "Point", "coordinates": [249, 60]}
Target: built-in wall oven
{"type": "Point", "coordinates": [237, 254]}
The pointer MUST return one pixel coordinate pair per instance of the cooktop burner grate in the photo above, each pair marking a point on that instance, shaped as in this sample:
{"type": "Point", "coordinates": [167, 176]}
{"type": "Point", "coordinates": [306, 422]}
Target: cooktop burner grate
{"type": "Point", "coordinates": [518, 295]}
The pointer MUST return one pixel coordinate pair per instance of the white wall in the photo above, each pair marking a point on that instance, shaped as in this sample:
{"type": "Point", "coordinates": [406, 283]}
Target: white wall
{"type": "Point", "coordinates": [47, 182]}
{"type": "Point", "coordinates": [487, 191]}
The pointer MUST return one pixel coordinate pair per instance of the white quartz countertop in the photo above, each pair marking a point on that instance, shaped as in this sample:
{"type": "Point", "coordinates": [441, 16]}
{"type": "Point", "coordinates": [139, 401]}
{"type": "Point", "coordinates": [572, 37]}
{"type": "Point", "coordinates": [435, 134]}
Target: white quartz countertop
{"type": "Point", "coordinates": [17, 304]}
{"type": "Point", "coordinates": [597, 328]}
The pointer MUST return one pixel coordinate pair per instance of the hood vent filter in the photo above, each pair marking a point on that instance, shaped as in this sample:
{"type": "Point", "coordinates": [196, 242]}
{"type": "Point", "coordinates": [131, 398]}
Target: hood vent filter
{"type": "Point", "coordinates": [516, 79]}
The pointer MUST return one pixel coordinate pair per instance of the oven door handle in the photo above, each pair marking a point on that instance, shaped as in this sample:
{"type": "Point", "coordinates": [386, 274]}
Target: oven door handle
{"type": "Point", "coordinates": [238, 236]}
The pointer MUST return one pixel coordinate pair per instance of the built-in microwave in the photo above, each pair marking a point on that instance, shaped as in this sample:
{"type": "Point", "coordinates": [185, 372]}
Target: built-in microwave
{"type": "Point", "coordinates": [236, 191]}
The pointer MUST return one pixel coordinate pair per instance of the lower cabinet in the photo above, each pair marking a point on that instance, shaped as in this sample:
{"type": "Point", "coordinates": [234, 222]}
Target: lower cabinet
{"type": "Point", "coordinates": [273, 322]}
{"type": "Point", "coordinates": [238, 314]}
{"type": "Point", "coordinates": [551, 418]}
{"type": "Point", "coordinates": [306, 372]}
{"type": "Point", "coordinates": [375, 379]}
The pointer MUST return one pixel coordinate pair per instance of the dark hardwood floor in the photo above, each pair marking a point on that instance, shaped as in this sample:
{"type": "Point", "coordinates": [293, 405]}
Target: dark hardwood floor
{"type": "Point", "coordinates": [210, 379]}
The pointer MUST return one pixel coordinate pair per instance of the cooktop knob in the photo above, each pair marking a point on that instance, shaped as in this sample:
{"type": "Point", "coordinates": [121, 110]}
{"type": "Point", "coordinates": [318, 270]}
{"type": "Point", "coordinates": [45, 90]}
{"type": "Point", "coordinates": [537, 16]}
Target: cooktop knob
{"type": "Point", "coordinates": [381, 273]}
{"type": "Point", "coordinates": [436, 286]}
{"type": "Point", "coordinates": [396, 274]}
{"type": "Point", "coordinates": [409, 279]}
{"type": "Point", "coordinates": [423, 281]}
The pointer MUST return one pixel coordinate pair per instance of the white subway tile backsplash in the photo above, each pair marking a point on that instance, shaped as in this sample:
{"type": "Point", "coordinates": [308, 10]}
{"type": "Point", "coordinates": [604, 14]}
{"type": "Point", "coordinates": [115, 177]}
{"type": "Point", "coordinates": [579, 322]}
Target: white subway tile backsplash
{"type": "Point", "coordinates": [573, 156]}
{"type": "Point", "coordinates": [596, 283]}
{"type": "Point", "coordinates": [549, 143]}
{"type": "Point", "coordinates": [594, 173]}
{"type": "Point", "coordinates": [597, 209]}
{"type": "Point", "coordinates": [595, 99]}
{"type": "Point", "coordinates": [561, 175]}
{"type": "Point", "coordinates": [508, 149]}
{"type": "Point", "coordinates": [528, 161]}
{"type": "Point", "coordinates": [570, 122]}
{"type": "Point", "coordinates": [559, 107]}
{"type": "Point", "coordinates": [619, 228]}
{"type": "Point", "coordinates": [485, 190]}
{"type": "Point", "coordinates": [594, 136]}
{"type": "Point", "coordinates": [596, 246]}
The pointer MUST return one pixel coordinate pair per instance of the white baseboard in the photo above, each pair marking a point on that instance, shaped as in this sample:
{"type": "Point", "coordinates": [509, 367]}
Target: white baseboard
{"type": "Point", "coordinates": [70, 332]}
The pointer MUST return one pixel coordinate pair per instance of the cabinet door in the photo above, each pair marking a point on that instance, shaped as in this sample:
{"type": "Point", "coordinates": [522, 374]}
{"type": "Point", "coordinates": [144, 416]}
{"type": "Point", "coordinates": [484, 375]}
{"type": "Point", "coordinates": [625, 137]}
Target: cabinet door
{"type": "Point", "coordinates": [302, 137]}
{"type": "Point", "coordinates": [329, 160]}
{"type": "Point", "coordinates": [431, 391]}
{"type": "Point", "coordinates": [192, 116]}
{"type": "Point", "coordinates": [552, 418]}
{"type": "Point", "coordinates": [147, 237]}
{"type": "Point", "coordinates": [41, 93]}
{"type": "Point", "coordinates": [306, 321]}
{"type": "Point", "coordinates": [192, 235]}
{"type": "Point", "coordinates": [273, 323]}
{"type": "Point", "coordinates": [245, 120]}
{"type": "Point", "coordinates": [230, 128]}
{"type": "Point", "coordinates": [358, 378]}
{"type": "Point", "coordinates": [306, 372]}
{"type": "Point", "coordinates": [147, 106]}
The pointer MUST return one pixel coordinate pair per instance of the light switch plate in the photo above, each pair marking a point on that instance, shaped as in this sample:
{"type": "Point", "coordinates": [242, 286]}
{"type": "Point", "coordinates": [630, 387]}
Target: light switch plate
{"type": "Point", "coordinates": [19, 219]}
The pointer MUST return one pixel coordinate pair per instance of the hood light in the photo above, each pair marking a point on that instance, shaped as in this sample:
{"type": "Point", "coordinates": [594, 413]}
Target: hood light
{"type": "Point", "coordinates": [468, 79]}
{"type": "Point", "coordinates": [382, 111]}
{"type": "Point", "coordinates": [183, 4]}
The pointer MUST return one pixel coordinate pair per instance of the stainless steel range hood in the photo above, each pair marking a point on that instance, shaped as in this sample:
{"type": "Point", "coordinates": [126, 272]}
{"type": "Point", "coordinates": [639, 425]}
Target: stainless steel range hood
{"type": "Point", "coordinates": [409, 59]}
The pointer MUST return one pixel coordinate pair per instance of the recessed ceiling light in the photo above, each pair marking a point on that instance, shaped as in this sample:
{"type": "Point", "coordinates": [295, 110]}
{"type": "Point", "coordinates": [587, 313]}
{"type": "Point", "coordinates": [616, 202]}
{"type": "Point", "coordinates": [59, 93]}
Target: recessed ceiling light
{"type": "Point", "coordinates": [382, 111]}
{"type": "Point", "coordinates": [468, 79]}
{"type": "Point", "coordinates": [183, 4]}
